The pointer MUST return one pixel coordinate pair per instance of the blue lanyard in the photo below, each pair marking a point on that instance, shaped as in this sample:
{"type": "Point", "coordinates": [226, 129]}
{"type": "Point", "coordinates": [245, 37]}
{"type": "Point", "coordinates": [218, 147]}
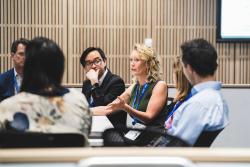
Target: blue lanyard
{"type": "Point", "coordinates": [16, 85]}
{"type": "Point", "coordinates": [177, 105]}
{"type": "Point", "coordinates": [136, 105]}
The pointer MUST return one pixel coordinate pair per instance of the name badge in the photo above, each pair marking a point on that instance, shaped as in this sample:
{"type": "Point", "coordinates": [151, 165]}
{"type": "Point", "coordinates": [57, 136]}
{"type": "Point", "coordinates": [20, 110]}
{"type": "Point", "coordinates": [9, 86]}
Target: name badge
{"type": "Point", "coordinates": [133, 134]}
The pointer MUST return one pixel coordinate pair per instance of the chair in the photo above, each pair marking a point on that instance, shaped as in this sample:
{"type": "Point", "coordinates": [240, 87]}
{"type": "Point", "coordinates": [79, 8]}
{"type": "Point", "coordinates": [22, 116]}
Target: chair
{"type": "Point", "coordinates": [206, 138]}
{"type": "Point", "coordinates": [135, 161]}
{"type": "Point", "coordinates": [114, 137]}
{"type": "Point", "coordinates": [12, 139]}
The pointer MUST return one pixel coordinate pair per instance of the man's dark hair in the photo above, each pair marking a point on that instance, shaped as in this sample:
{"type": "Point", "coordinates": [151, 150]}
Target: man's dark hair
{"type": "Point", "coordinates": [87, 51]}
{"type": "Point", "coordinates": [200, 55]}
{"type": "Point", "coordinates": [43, 67]}
{"type": "Point", "coordinates": [14, 45]}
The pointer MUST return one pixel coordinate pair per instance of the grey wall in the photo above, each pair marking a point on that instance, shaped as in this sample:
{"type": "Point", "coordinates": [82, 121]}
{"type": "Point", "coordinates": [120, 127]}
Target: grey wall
{"type": "Point", "coordinates": [237, 134]}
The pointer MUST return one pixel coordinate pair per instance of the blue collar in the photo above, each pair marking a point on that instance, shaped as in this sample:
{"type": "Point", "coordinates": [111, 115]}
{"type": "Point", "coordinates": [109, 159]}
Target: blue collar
{"type": "Point", "coordinates": [206, 85]}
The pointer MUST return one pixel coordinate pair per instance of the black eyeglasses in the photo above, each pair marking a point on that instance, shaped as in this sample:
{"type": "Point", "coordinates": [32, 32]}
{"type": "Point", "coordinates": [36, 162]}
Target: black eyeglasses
{"type": "Point", "coordinates": [95, 62]}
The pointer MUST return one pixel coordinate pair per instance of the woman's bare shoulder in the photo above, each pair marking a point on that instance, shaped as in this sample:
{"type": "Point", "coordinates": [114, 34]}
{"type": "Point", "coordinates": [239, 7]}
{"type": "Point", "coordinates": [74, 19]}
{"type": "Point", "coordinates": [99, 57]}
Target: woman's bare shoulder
{"type": "Point", "coordinates": [161, 84]}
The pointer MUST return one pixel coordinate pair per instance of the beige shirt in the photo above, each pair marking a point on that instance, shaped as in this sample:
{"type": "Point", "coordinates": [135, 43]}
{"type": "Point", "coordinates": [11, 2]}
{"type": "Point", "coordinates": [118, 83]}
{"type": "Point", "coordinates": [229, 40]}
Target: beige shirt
{"type": "Point", "coordinates": [67, 113]}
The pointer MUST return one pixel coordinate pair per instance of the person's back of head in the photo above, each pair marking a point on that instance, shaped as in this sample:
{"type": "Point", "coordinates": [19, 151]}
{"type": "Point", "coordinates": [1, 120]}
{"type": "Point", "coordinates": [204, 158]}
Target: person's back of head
{"type": "Point", "coordinates": [201, 56]}
{"type": "Point", "coordinates": [43, 68]}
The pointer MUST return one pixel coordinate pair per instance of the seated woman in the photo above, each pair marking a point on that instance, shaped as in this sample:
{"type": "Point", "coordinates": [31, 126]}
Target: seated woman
{"type": "Point", "coordinates": [183, 89]}
{"type": "Point", "coordinates": [144, 100]}
{"type": "Point", "coordinates": [48, 106]}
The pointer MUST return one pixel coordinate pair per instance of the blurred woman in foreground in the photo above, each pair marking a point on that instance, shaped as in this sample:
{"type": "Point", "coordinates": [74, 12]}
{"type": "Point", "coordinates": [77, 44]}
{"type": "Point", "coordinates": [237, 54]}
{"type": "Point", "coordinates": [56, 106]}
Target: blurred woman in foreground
{"type": "Point", "coordinates": [43, 105]}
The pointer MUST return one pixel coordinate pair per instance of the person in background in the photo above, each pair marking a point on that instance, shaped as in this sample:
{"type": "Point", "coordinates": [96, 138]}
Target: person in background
{"type": "Point", "coordinates": [43, 101]}
{"type": "Point", "coordinates": [145, 99]}
{"type": "Point", "coordinates": [183, 89]}
{"type": "Point", "coordinates": [206, 109]}
{"type": "Point", "coordinates": [10, 80]}
{"type": "Point", "coordinates": [101, 86]}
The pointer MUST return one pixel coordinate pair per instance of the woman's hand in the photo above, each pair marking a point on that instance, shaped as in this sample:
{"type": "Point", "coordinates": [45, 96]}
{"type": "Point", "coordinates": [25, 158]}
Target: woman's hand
{"type": "Point", "coordinates": [117, 104]}
{"type": "Point", "coordinates": [99, 111]}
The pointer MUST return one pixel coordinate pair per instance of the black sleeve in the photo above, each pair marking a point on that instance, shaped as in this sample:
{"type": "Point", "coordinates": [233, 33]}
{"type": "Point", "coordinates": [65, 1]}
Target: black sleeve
{"type": "Point", "coordinates": [1, 98]}
{"type": "Point", "coordinates": [4, 89]}
{"type": "Point", "coordinates": [104, 96]}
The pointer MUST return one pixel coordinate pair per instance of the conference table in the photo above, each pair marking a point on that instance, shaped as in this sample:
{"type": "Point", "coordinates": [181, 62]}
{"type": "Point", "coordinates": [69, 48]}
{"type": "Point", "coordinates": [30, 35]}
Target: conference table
{"type": "Point", "coordinates": [70, 157]}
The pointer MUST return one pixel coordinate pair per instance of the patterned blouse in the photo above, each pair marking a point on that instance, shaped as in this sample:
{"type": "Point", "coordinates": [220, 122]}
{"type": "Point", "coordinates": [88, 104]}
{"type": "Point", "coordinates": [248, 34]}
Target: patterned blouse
{"type": "Point", "coordinates": [59, 114]}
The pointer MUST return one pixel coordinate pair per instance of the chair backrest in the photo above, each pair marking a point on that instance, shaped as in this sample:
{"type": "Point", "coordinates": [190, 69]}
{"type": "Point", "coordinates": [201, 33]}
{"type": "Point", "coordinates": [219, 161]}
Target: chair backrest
{"type": "Point", "coordinates": [10, 139]}
{"type": "Point", "coordinates": [135, 161]}
{"type": "Point", "coordinates": [206, 138]}
{"type": "Point", "coordinates": [114, 137]}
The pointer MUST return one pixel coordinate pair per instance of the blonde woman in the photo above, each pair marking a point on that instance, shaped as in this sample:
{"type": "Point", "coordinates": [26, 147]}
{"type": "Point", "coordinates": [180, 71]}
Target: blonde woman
{"type": "Point", "coordinates": [183, 89]}
{"type": "Point", "coordinates": [181, 83]}
{"type": "Point", "coordinates": [145, 99]}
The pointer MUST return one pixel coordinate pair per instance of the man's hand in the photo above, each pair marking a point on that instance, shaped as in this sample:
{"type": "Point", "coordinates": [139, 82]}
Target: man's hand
{"type": "Point", "coordinates": [92, 75]}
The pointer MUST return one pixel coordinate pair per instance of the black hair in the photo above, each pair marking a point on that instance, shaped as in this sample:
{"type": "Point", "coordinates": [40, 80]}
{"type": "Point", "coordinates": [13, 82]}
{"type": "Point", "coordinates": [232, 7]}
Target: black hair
{"type": "Point", "coordinates": [43, 67]}
{"type": "Point", "coordinates": [87, 51]}
{"type": "Point", "coordinates": [14, 45]}
{"type": "Point", "coordinates": [200, 55]}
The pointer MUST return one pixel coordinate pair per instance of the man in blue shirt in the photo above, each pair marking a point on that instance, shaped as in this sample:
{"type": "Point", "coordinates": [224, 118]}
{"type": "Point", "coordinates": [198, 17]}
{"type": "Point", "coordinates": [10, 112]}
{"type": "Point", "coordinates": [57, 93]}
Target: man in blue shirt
{"type": "Point", "coordinates": [206, 109]}
{"type": "Point", "coordinates": [10, 81]}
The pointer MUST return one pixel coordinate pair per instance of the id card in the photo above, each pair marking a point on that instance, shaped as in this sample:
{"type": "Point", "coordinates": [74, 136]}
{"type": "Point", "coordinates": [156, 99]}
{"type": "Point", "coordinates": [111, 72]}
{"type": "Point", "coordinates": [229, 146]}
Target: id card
{"type": "Point", "coordinates": [133, 134]}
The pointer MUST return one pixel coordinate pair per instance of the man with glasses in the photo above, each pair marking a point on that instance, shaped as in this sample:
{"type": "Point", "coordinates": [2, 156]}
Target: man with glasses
{"type": "Point", "coordinates": [10, 80]}
{"type": "Point", "coordinates": [101, 86]}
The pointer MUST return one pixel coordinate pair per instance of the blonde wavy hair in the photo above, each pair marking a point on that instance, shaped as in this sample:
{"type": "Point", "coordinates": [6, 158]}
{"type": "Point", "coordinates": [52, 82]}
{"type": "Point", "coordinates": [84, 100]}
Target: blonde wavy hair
{"type": "Point", "coordinates": [182, 85]}
{"type": "Point", "coordinates": [149, 56]}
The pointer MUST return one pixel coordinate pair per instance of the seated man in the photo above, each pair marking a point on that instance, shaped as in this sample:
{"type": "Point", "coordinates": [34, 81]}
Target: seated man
{"type": "Point", "coordinates": [206, 109]}
{"type": "Point", "coordinates": [101, 86]}
{"type": "Point", "coordinates": [10, 81]}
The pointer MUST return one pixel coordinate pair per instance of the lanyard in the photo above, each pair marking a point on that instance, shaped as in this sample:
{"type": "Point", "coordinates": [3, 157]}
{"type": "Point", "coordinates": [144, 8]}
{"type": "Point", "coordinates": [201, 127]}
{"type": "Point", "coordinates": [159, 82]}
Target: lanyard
{"type": "Point", "coordinates": [177, 105]}
{"type": "Point", "coordinates": [16, 84]}
{"type": "Point", "coordinates": [136, 105]}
